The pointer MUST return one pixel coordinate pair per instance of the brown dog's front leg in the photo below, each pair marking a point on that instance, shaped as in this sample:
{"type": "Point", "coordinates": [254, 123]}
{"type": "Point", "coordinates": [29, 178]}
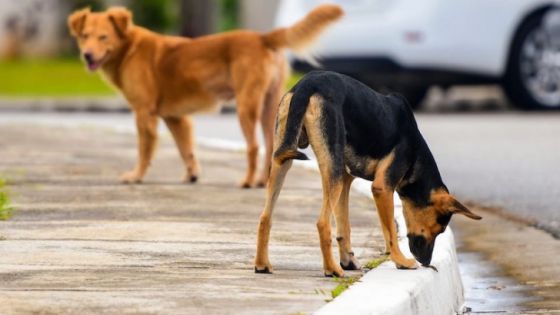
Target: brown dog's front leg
{"type": "Point", "coordinates": [183, 132]}
{"type": "Point", "coordinates": [146, 125]}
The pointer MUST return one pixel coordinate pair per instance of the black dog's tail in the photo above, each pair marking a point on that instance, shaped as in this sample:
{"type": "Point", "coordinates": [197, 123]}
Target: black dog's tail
{"type": "Point", "coordinates": [290, 122]}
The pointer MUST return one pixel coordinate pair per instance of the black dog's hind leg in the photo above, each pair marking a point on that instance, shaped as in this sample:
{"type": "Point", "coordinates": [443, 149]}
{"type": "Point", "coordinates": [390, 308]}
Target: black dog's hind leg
{"type": "Point", "coordinates": [325, 138]}
{"type": "Point", "coordinates": [347, 259]}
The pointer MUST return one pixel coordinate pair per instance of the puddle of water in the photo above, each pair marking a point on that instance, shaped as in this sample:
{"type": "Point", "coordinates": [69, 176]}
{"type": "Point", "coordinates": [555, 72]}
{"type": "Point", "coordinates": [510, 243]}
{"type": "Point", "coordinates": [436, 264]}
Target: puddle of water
{"type": "Point", "coordinates": [487, 289]}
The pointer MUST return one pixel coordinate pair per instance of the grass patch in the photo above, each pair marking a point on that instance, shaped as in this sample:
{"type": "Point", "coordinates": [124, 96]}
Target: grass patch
{"type": "Point", "coordinates": [62, 77]}
{"type": "Point", "coordinates": [293, 79]}
{"type": "Point", "coordinates": [343, 284]}
{"type": "Point", "coordinates": [6, 209]}
{"type": "Point", "coordinates": [49, 78]}
{"type": "Point", "coordinates": [374, 263]}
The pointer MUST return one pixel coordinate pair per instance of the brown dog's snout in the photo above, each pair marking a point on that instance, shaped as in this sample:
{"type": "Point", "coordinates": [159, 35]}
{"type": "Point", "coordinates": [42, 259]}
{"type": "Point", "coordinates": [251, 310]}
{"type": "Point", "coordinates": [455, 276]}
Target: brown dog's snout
{"type": "Point", "coordinates": [88, 57]}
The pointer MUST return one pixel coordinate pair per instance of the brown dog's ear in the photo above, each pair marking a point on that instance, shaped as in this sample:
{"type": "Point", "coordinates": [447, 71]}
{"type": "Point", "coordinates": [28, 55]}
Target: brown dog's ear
{"type": "Point", "coordinates": [459, 208]}
{"type": "Point", "coordinates": [77, 20]}
{"type": "Point", "coordinates": [121, 19]}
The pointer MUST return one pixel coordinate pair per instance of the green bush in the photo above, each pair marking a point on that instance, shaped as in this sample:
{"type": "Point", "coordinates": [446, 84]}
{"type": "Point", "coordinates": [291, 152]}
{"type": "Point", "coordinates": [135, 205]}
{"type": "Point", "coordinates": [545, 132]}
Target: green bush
{"type": "Point", "coordinates": [229, 15]}
{"type": "Point", "coordinates": [155, 15]}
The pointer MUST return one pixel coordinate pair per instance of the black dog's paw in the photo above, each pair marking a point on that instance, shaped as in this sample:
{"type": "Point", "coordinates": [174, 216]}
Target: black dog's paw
{"type": "Point", "coordinates": [350, 266]}
{"type": "Point", "coordinates": [334, 274]}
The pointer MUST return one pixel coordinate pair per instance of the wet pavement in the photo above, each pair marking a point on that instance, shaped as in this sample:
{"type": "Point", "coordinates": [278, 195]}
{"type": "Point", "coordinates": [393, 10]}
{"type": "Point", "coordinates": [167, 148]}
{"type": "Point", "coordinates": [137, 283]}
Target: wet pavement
{"type": "Point", "coordinates": [507, 266]}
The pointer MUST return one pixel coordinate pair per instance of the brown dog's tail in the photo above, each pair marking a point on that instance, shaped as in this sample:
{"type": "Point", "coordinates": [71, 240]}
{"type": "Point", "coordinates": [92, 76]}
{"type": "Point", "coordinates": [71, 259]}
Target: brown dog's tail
{"type": "Point", "coordinates": [304, 32]}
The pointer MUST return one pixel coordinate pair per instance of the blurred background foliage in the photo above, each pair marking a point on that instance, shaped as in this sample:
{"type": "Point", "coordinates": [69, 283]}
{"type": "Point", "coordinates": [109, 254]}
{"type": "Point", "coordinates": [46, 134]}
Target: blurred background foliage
{"type": "Point", "coordinates": [63, 74]}
{"type": "Point", "coordinates": [163, 15]}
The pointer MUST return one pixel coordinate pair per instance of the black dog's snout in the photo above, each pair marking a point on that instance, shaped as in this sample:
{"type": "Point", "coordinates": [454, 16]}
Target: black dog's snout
{"type": "Point", "coordinates": [421, 248]}
{"type": "Point", "coordinates": [88, 57]}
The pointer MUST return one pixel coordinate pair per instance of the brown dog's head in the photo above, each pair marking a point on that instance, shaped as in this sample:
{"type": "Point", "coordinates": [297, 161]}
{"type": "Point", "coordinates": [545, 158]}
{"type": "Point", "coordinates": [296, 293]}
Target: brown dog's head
{"type": "Point", "coordinates": [100, 35]}
{"type": "Point", "coordinates": [425, 223]}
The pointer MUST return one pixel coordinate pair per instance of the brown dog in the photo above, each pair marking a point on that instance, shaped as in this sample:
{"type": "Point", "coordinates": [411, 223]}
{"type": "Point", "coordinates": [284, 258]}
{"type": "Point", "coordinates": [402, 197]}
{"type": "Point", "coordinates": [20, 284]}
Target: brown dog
{"type": "Point", "coordinates": [172, 77]}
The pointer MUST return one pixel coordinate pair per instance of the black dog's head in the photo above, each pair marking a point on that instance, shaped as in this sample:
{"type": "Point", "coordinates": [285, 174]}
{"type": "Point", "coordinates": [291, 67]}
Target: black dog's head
{"type": "Point", "coordinates": [425, 223]}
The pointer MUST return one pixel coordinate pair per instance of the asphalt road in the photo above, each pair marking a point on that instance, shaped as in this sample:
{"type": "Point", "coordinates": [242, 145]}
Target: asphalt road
{"type": "Point", "coordinates": [506, 160]}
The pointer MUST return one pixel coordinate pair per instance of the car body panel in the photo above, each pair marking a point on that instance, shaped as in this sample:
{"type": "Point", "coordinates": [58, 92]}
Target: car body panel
{"type": "Point", "coordinates": [466, 36]}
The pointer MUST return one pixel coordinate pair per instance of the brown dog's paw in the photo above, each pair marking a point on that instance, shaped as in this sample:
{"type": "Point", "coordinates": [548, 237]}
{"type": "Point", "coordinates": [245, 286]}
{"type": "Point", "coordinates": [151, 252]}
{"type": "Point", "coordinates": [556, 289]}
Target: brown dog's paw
{"type": "Point", "coordinates": [190, 179]}
{"type": "Point", "coordinates": [245, 185]}
{"type": "Point", "coordinates": [261, 184]}
{"type": "Point", "coordinates": [131, 177]}
{"type": "Point", "coordinates": [264, 269]}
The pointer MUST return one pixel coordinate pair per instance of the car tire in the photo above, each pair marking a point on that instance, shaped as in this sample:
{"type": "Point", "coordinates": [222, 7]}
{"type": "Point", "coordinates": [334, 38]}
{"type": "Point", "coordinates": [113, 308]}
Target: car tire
{"type": "Point", "coordinates": [529, 79]}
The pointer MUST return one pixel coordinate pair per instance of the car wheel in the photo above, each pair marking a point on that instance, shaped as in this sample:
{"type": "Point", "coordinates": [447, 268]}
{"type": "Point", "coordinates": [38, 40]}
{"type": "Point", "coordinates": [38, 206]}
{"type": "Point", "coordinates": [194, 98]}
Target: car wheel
{"type": "Point", "coordinates": [532, 80]}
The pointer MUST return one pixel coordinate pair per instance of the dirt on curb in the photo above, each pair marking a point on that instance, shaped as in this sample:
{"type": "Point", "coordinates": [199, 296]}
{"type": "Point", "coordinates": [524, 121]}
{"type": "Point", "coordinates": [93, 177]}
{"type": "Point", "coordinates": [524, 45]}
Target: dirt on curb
{"type": "Point", "coordinates": [81, 243]}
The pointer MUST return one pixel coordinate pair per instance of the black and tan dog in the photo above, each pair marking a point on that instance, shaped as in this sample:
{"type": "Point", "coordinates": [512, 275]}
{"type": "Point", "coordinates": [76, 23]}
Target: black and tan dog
{"type": "Point", "coordinates": [356, 132]}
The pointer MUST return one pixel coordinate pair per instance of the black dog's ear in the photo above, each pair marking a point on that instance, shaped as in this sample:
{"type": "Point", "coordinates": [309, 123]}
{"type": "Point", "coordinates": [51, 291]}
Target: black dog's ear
{"type": "Point", "coordinates": [121, 18]}
{"type": "Point", "coordinates": [77, 20]}
{"type": "Point", "coordinates": [459, 208]}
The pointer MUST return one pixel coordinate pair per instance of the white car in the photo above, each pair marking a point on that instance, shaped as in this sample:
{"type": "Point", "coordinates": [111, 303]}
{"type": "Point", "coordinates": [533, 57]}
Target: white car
{"type": "Point", "coordinates": [408, 45]}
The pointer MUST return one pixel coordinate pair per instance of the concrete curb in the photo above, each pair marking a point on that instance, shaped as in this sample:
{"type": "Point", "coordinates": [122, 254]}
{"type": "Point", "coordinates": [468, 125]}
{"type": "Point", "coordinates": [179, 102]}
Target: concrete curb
{"type": "Point", "coordinates": [387, 290]}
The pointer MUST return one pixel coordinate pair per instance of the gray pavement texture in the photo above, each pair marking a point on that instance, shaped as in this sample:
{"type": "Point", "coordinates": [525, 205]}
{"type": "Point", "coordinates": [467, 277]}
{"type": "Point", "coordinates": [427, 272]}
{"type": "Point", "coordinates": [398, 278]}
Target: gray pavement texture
{"type": "Point", "coordinates": [505, 160]}
{"type": "Point", "coordinates": [80, 243]}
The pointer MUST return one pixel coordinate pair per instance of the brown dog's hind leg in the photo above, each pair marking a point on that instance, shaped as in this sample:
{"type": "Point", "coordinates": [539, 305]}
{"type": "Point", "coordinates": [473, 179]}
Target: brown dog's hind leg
{"type": "Point", "coordinates": [183, 133]}
{"type": "Point", "coordinates": [250, 99]}
{"type": "Point", "coordinates": [146, 125]}
{"type": "Point", "coordinates": [347, 259]}
{"type": "Point", "coordinates": [267, 123]}
{"type": "Point", "coordinates": [275, 182]}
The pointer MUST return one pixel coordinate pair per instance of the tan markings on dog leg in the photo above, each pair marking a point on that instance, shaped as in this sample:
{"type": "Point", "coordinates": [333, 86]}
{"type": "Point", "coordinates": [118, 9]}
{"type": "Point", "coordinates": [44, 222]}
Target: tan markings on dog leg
{"type": "Point", "coordinates": [383, 195]}
{"type": "Point", "coordinates": [347, 259]}
{"type": "Point", "coordinates": [332, 188]}
{"type": "Point", "coordinates": [281, 119]}
{"type": "Point", "coordinates": [182, 130]}
{"type": "Point", "coordinates": [275, 182]}
{"type": "Point", "coordinates": [331, 194]}
{"type": "Point", "coordinates": [378, 184]}
{"type": "Point", "coordinates": [314, 129]}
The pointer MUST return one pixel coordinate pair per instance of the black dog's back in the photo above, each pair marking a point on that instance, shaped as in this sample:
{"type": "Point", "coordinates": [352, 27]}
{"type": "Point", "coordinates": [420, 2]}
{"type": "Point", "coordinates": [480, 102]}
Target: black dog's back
{"type": "Point", "coordinates": [360, 126]}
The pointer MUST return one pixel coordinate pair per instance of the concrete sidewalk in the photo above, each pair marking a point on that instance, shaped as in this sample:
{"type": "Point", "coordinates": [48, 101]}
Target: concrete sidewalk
{"type": "Point", "coordinates": [80, 243]}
